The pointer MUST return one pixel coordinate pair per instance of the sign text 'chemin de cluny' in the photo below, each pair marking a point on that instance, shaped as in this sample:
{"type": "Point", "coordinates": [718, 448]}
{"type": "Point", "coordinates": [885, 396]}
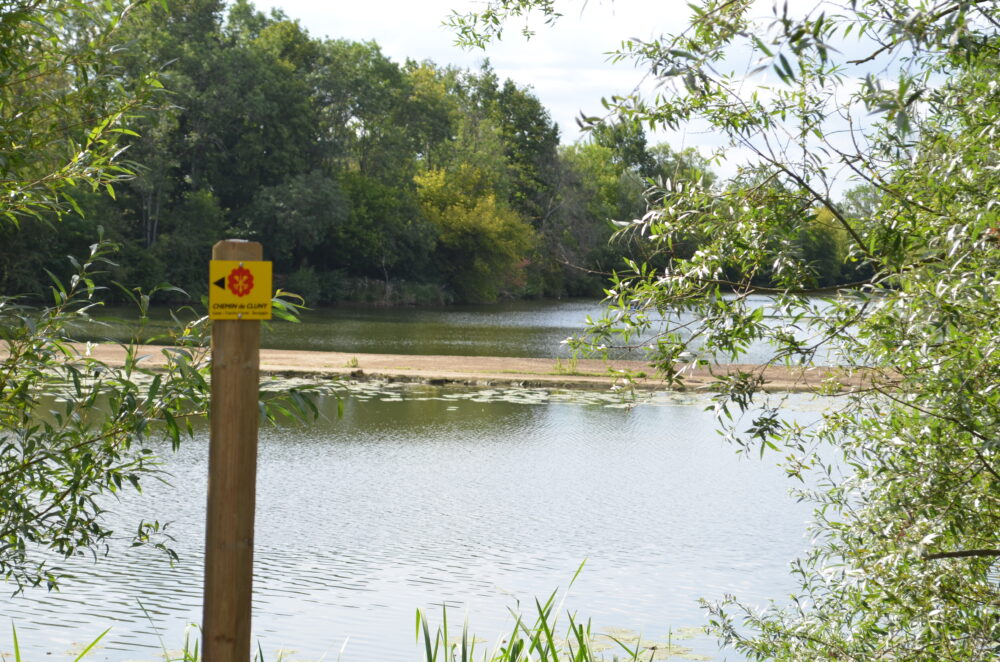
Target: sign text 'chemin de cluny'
{"type": "Point", "coordinates": [239, 290]}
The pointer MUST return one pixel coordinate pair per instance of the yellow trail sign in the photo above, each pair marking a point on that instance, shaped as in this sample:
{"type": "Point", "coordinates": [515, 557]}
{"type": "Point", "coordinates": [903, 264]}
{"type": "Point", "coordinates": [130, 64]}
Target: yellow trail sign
{"type": "Point", "coordinates": [239, 290]}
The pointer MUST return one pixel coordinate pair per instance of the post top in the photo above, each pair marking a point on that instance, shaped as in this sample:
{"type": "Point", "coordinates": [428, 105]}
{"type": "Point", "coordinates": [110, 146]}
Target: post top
{"type": "Point", "coordinates": [237, 249]}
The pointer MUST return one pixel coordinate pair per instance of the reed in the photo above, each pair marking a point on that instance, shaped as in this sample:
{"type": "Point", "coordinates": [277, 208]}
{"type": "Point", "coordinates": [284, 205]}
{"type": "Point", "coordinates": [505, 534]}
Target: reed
{"type": "Point", "coordinates": [535, 641]}
{"type": "Point", "coordinates": [542, 638]}
{"type": "Point", "coordinates": [17, 646]}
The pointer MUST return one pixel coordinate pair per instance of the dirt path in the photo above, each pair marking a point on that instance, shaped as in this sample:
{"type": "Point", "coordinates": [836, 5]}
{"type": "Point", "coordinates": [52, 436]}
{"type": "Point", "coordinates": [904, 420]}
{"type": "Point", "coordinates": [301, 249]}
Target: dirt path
{"type": "Point", "coordinates": [492, 370]}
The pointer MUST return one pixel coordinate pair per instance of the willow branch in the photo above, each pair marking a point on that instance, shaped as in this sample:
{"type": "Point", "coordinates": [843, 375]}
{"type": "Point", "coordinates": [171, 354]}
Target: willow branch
{"type": "Point", "coordinates": [964, 553]}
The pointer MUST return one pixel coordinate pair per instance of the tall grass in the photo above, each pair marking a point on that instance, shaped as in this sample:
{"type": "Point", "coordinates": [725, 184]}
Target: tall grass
{"type": "Point", "coordinates": [80, 656]}
{"type": "Point", "coordinates": [526, 642]}
{"type": "Point", "coordinates": [535, 641]}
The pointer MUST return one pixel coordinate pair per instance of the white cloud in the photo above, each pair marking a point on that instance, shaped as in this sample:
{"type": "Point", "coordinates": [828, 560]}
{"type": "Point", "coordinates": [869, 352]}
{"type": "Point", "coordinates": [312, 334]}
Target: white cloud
{"type": "Point", "coordinates": [567, 65]}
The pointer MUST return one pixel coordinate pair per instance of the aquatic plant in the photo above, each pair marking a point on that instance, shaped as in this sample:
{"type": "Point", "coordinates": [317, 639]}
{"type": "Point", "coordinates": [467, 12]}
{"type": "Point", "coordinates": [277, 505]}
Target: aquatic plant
{"type": "Point", "coordinates": [538, 641]}
{"type": "Point", "coordinates": [83, 653]}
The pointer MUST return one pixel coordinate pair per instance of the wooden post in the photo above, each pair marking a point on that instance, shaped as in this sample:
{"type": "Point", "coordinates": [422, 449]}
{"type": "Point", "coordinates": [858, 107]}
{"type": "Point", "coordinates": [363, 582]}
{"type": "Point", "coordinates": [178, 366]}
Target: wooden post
{"type": "Point", "coordinates": [232, 478]}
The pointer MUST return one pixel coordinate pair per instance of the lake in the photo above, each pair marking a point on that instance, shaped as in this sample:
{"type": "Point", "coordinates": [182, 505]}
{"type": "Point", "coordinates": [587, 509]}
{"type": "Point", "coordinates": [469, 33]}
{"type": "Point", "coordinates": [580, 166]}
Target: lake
{"type": "Point", "coordinates": [518, 328]}
{"type": "Point", "coordinates": [478, 500]}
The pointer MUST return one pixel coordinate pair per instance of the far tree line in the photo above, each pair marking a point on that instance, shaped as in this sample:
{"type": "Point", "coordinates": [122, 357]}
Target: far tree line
{"type": "Point", "coordinates": [366, 180]}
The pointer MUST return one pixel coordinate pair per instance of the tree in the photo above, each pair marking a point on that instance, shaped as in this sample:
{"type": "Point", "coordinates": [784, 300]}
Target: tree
{"type": "Point", "coordinates": [362, 98]}
{"type": "Point", "coordinates": [293, 219]}
{"type": "Point", "coordinates": [899, 98]}
{"type": "Point", "coordinates": [387, 234]}
{"type": "Point", "coordinates": [482, 243]}
{"type": "Point", "coordinates": [627, 142]}
{"type": "Point", "coordinates": [71, 427]}
{"type": "Point", "coordinates": [596, 188]}
{"type": "Point", "coordinates": [62, 103]}
{"type": "Point", "coordinates": [74, 430]}
{"type": "Point", "coordinates": [256, 112]}
{"type": "Point", "coordinates": [432, 111]}
{"type": "Point", "coordinates": [530, 140]}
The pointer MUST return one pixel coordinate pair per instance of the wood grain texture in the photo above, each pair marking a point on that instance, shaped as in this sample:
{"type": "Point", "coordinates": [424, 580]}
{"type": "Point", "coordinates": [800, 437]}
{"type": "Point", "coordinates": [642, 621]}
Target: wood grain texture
{"type": "Point", "coordinates": [232, 478]}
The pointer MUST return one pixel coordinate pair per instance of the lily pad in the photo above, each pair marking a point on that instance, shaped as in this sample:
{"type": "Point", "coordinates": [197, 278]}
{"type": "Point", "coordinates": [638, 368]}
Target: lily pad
{"type": "Point", "coordinates": [684, 633]}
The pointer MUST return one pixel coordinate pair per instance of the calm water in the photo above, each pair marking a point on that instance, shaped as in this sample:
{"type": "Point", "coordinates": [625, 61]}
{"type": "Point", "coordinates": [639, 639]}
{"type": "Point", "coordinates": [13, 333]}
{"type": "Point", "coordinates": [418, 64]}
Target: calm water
{"type": "Point", "coordinates": [526, 328]}
{"type": "Point", "coordinates": [522, 328]}
{"type": "Point", "coordinates": [422, 497]}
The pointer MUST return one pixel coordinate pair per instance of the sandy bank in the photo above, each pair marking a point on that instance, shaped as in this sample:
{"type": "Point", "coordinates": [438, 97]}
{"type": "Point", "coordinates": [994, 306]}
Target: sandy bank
{"type": "Point", "coordinates": [492, 370]}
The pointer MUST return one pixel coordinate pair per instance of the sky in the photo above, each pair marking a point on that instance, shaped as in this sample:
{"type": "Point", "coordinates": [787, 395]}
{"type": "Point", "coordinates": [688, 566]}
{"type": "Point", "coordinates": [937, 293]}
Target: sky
{"type": "Point", "coordinates": [566, 66]}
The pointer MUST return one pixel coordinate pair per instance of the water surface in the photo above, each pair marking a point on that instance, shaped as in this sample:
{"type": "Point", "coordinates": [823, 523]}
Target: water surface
{"type": "Point", "coordinates": [535, 329]}
{"type": "Point", "coordinates": [475, 499]}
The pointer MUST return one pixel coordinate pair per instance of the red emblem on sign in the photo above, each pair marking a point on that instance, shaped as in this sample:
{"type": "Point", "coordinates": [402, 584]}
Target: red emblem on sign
{"type": "Point", "coordinates": [240, 281]}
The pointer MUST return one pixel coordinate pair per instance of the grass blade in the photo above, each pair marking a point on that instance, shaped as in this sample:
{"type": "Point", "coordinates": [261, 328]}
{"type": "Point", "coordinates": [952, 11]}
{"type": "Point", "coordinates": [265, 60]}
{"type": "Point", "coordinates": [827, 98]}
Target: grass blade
{"type": "Point", "coordinates": [89, 646]}
{"type": "Point", "coordinates": [431, 655]}
{"type": "Point", "coordinates": [17, 647]}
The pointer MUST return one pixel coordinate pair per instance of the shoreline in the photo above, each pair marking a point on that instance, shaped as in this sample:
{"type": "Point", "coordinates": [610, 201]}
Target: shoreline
{"type": "Point", "coordinates": [445, 370]}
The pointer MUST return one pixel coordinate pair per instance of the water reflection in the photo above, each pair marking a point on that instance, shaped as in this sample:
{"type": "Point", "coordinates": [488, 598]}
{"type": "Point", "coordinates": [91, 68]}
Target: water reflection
{"type": "Point", "coordinates": [420, 497]}
{"type": "Point", "coordinates": [522, 328]}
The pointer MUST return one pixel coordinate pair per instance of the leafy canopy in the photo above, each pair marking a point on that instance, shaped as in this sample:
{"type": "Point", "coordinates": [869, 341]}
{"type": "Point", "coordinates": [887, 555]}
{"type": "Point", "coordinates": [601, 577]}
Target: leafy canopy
{"type": "Point", "coordinates": [73, 429]}
{"type": "Point", "coordinates": [866, 126]}
{"type": "Point", "coordinates": [63, 102]}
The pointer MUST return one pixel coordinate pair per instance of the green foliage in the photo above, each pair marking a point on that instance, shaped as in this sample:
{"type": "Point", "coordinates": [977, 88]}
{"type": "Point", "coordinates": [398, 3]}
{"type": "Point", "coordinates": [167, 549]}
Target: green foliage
{"type": "Point", "coordinates": [595, 189]}
{"type": "Point", "coordinates": [626, 142]}
{"type": "Point", "coordinates": [294, 218]}
{"type": "Point", "coordinates": [74, 429]}
{"type": "Point", "coordinates": [378, 292]}
{"type": "Point", "coordinates": [190, 227]}
{"type": "Point", "coordinates": [387, 235]}
{"type": "Point", "coordinates": [482, 245]}
{"type": "Point", "coordinates": [433, 113]}
{"type": "Point", "coordinates": [541, 640]}
{"type": "Point", "coordinates": [306, 283]}
{"type": "Point", "coordinates": [363, 102]}
{"type": "Point", "coordinates": [530, 141]}
{"type": "Point", "coordinates": [314, 147]}
{"type": "Point", "coordinates": [309, 145]}
{"type": "Point", "coordinates": [71, 427]}
{"type": "Point", "coordinates": [899, 102]}
{"type": "Point", "coordinates": [29, 246]}
{"type": "Point", "coordinates": [62, 102]}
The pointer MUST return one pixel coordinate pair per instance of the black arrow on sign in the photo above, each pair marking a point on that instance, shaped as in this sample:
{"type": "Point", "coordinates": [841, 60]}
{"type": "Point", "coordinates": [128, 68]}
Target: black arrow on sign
{"type": "Point", "coordinates": [221, 283]}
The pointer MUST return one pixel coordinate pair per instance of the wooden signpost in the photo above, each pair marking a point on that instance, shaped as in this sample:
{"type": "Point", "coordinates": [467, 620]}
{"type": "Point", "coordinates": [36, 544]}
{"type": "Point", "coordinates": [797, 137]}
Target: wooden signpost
{"type": "Point", "coordinates": [243, 298]}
